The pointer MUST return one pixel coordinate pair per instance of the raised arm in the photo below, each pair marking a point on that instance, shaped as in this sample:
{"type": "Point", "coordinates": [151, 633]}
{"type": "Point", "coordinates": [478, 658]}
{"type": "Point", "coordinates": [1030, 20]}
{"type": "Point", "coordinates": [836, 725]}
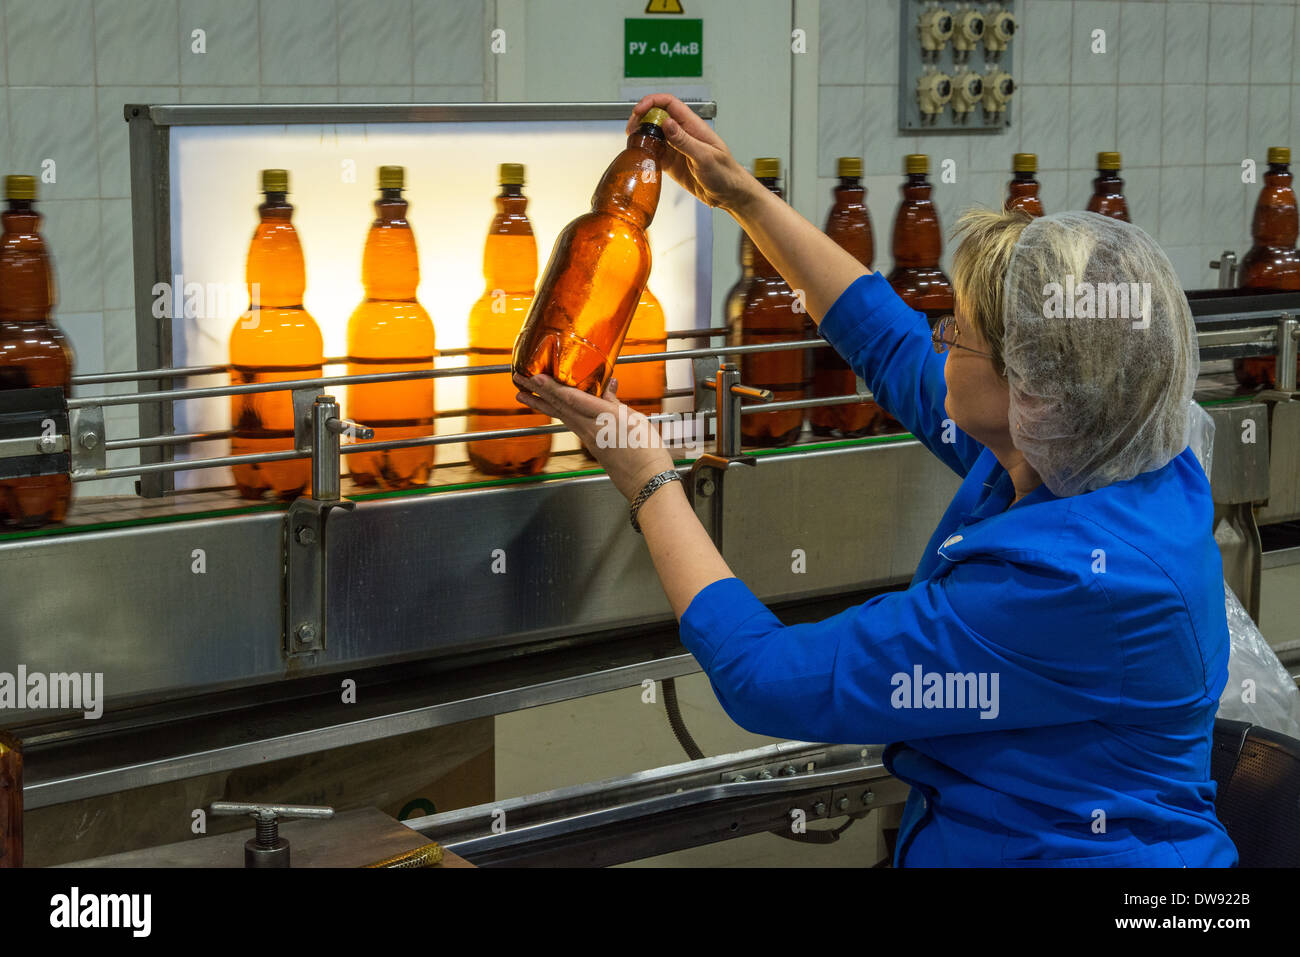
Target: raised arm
{"type": "Point", "coordinates": [805, 256]}
{"type": "Point", "coordinates": [885, 341]}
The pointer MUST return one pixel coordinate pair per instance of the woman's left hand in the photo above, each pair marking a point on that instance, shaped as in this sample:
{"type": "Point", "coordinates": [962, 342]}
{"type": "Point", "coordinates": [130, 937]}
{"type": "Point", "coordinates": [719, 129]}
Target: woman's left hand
{"type": "Point", "coordinates": [623, 441]}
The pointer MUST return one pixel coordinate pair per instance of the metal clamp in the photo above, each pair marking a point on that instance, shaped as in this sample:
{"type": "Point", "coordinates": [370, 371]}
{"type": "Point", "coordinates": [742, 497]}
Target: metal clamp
{"type": "Point", "coordinates": [304, 530]}
{"type": "Point", "coordinates": [718, 389]}
{"type": "Point", "coordinates": [268, 848]}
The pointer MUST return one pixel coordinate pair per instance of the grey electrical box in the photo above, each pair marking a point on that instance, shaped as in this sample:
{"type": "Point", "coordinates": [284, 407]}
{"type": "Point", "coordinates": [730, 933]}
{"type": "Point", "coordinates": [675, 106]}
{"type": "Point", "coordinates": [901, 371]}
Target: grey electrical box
{"type": "Point", "coordinates": [956, 65]}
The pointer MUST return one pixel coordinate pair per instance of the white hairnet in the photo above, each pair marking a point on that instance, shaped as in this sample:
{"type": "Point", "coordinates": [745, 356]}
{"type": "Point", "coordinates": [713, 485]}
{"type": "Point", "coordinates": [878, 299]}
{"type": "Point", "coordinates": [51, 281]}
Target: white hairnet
{"type": "Point", "coordinates": [1100, 351]}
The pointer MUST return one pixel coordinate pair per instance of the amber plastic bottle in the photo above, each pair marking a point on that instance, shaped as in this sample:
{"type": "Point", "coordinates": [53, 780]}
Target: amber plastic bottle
{"type": "Point", "coordinates": [849, 224]}
{"type": "Point", "coordinates": [770, 312]}
{"type": "Point", "coordinates": [597, 270]}
{"type": "Point", "coordinates": [1022, 191]}
{"type": "Point", "coordinates": [275, 340]}
{"type": "Point", "coordinates": [1108, 189]}
{"type": "Point", "coordinates": [33, 351]}
{"type": "Point", "coordinates": [11, 802]}
{"type": "Point", "coordinates": [1272, 262]}
{"type": "Point", "coordinates": [918, 244]}
{"type": "Point", "coordinates": [510, 268]}
{"type": "Point", "coordinates": [391, 332]}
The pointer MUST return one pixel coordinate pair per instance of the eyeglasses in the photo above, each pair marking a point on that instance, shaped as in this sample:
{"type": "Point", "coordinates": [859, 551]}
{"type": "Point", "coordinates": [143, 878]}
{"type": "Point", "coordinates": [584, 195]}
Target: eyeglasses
{"type": "Point", "coordinates": [945, 337]}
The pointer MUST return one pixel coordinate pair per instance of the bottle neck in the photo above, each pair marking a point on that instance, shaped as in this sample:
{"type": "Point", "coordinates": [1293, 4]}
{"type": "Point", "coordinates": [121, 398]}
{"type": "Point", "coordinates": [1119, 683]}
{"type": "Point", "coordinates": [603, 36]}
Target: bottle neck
{"type": "Point", "coordinates": [390, 265]}
{"type": "Point", "coordinates": [26, 275]}
{"type": "Point", "coordinates": [917, 242]}
{"type": "Point", "coordinates": [1023, 176]}
{"type": "Point", "coordinates": [510, 253]}
{"type": "Point", "coordinates": [916, 187]}
{"type": "Point", "coordinates": [275, 271]}
{"type": "Point", "coordinates": [630, 187]}
{"type": "Point", "coordinates": [1276, 221]}
{"type": "Point", "coordinates": [390, 208]}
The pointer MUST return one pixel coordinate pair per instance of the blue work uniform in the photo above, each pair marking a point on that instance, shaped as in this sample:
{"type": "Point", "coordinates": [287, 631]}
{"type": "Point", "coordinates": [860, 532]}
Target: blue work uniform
{"type": "Point", "coordinates": [1049, 679]}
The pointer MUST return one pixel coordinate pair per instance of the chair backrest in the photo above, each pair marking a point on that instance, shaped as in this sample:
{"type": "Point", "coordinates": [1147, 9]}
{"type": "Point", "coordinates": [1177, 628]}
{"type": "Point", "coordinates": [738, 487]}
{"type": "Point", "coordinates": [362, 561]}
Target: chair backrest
{"type": "Point", "coordinates": [1258, 776]}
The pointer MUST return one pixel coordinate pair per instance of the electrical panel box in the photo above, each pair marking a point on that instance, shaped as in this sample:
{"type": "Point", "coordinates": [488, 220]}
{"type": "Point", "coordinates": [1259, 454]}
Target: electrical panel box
{"type": "Point", "coordinates": [956, 65]}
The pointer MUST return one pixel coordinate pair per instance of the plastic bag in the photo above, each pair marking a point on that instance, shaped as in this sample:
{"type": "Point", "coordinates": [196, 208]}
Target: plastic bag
{"type": "Point", "coordinates": [1259, 689]}
{"type": "Point", "coordinates": [1200, 436]}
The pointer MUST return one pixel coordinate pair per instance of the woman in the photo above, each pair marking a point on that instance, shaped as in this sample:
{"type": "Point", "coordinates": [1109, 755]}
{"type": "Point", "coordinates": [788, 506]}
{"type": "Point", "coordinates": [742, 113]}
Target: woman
{"type": "Point", "coordinates": [1050, 678]}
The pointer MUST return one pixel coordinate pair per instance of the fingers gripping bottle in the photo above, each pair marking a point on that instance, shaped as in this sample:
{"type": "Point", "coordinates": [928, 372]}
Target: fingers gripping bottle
{"type": "Point", "coordinates": [391, 332]}
{"type": "Point", "coordinates": [510, 268]}
{"type": "Point", "coordinates": [597, 271]}
{"type": "Point", "coordinates": [275, 340]}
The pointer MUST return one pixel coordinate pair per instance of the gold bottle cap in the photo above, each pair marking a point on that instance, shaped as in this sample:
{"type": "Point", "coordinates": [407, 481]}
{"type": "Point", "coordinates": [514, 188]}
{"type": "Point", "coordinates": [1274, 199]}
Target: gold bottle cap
{"type": "Point", "coordinates": [275, 181]}
{"type": "Point", "coordinates": [655, 115]}
{"type": "Point", "coordinates": [767, 167]}
{"type": "Point", "coordinates": [916, 163]}
{"type": "Point", "coordinates": [512, 174]}
{"type": "Point", "coordinates": [1280, 154]}
{"type": "Point", "coordinates": [20, 187]}
{"type": "Point", "coordinates": [1024, 162]}
{"type": "Point", "coordinates": [848, 166]}
{"type": "Point", "coordinates": [1108, 161]}
{"type": "Point", "coordinates": [392, 177]}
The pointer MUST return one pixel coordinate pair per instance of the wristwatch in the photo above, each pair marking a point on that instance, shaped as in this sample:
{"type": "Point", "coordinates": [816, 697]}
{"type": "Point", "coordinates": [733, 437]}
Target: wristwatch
{"type": "Point", "coordinates": [650, 487]}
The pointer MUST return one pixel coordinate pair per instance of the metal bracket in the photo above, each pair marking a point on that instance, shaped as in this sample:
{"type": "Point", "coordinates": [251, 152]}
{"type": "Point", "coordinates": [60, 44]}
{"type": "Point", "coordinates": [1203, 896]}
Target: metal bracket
{"type": "Point", "coordinates": [718, 389]}
{"type": "Point", "coordinates": [86, 427]}
{"type": "Point", "coordinates": [304, 575]}
{"type": "Point", "coordinates": [303, 400]}
{"type": "Point", "coordinates": [305, 547]}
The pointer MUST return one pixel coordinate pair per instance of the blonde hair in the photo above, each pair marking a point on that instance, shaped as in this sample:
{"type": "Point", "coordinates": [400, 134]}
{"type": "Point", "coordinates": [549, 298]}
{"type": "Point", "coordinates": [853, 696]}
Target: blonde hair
{"type": "Point", "coordinates": [979, 270]}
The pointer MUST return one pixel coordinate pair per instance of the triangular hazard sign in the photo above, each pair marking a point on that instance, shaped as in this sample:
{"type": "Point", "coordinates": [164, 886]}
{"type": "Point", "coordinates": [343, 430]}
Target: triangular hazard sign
{"type": "Point", "coordinates": [664, 6]}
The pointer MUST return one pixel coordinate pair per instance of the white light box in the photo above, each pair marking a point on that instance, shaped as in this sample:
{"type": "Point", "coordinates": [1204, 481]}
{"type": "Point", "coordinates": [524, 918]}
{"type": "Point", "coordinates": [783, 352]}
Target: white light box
{"type": "Point", "coordinates": [451, 185]}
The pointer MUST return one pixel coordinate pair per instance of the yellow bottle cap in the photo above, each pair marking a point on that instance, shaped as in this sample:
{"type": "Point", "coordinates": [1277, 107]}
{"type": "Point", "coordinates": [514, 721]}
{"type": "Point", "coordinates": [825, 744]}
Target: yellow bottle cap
{"type": "Point", "coordinates": [1279, 154]}
{"type": "Point", "coordinates": [512, 174]}
{"type": "Point", "coordinates": [916, 163]}
{"type": "Point", "coordinates": [655, 115]}
{"type": "Point", "coordinates": [767, 167]}
{"type": "Point", "coordinates": [848, 166]}
{"type": "Point", "coordinates": [275, 181]}
{"type": "Point", "coordinates": [20, 187]}
{"type": "Point", "coordinates": [1108, 161]}
{"type": "Point", "coordinates": [1024, 162]}
{"type": "Point", "coordinates": [392, 177]}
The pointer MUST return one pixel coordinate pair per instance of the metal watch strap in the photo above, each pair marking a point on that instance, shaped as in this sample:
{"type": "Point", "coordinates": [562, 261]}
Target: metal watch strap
{"type": "Point", "coordinates": [650, 487]}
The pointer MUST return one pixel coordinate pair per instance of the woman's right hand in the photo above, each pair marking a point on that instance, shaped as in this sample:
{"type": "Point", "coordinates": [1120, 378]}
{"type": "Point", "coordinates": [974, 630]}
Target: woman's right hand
{"type": "Point", "coordinates": [699, 160]}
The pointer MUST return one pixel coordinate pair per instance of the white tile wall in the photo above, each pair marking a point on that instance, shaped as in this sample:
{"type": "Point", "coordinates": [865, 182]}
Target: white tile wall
{"type": "Point", "coordinates": [1186, 90]}
{"type": "Point", "coordinates": [68, 66]}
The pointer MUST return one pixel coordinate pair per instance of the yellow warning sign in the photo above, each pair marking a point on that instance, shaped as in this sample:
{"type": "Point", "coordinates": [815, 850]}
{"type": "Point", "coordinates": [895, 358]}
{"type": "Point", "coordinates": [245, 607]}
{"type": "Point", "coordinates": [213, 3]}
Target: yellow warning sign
{"type": "Point", "coordinates": [664, 6]}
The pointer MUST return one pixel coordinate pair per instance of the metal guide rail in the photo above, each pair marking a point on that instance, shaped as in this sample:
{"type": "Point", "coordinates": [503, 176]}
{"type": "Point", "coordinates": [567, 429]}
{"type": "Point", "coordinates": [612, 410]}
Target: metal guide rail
{"type": "Point", "coordinates": [1228, 326]}
{"type": "Point", "coordinates": [780, 788]}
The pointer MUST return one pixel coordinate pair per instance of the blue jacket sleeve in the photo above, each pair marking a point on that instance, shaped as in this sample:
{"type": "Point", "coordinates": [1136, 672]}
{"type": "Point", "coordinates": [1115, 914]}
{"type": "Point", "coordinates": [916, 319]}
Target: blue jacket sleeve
{"type": "Point", "coordinates": [865, 675]}
{"type": "Point", "coordinates": [888, 343]}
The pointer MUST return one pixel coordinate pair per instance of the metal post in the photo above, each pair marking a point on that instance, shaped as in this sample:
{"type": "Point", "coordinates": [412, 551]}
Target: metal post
{"type": "Point", "coordinates": [1288, 328]}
